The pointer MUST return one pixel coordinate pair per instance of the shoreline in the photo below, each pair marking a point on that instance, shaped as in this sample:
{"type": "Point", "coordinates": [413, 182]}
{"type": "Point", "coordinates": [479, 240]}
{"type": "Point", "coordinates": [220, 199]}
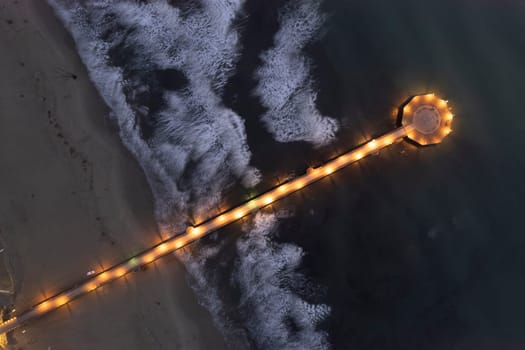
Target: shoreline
{"type": "Point", "coordinates": [76, 200]}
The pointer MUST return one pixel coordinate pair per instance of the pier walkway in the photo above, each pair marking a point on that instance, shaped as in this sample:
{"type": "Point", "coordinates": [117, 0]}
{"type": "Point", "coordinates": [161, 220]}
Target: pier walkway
{"type": "Point", "coordinates": [426, 119]}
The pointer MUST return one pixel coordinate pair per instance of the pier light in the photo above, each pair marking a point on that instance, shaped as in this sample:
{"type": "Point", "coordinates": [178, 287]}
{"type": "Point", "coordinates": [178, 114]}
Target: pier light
{"type": "Point", "coordinates": [162, 248]}
{"type": "Point", "coordinates": [91, 287]}
{"type": "Point", "coordinates": [120, 272]}
{"type": "Point", "coordinates": [447, 130]}
{"type": "Point", "coordinates": [62, 300]}
{"type": "Point", "coordinates": [11, 320]}
{"type": "Point", "coordinates": [239, 213]}
{"type": "Point", "coordinates": [372, 144]}
{"type": "Point", "coordinates": [194, 230]}
{"type": "Point", "coordinates": [104, 276]}
{"type": "Point", "coordinates": [283, 188]}
{"type": "Point", "coordinates": [149, 258]}
{"type": "Point", "coordinates": [449, 116]}
{"type": "Point", "coordinates": [429, 97]}
{"type": "Point", "coordinates": [329, 169]}
{"type": "Point", "coordinates": [252, 204]}
{"type": "Point", "coordinates": [221, 218]}
{"type": "Point", "coordinates": [268, 199]}
{"type": "Point", "coordinates": [298, 184]}
{"type": "Point", "coordinates": [178, 244]}
{"type": "Point", "coordinates": [342, 159]}
{"type": "Point", "coordinates": [388, 140]}
{"type": "Point", "coordinates": [407, 109]}
{"type": "Point", "coordinates": [442, 103]}
{"type": "Point", "coordinates": [44, 306]}
{"type": "Point", "coordinates": [358, 155]}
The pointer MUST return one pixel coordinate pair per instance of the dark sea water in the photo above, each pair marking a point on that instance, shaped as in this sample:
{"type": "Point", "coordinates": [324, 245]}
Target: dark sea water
{"type": "Point", "coordinates": [415, 248]}
{"type": "Point", "coordinates": [423, 248]}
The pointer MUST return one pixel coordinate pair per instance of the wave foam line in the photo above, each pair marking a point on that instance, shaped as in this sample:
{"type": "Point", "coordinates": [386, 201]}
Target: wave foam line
{"type": "Point", "coordinates": [285, 86]}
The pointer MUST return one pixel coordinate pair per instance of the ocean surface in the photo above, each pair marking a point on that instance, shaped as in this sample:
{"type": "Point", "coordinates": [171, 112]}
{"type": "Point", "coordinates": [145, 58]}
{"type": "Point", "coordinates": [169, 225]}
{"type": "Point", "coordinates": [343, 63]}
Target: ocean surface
{"type": "Point", "coordinates": [415, 248]}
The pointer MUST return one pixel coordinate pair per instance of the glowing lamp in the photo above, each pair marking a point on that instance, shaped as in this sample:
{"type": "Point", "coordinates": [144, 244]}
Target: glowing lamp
{"type": "Point", "coordinates": [178, 244]}
{"type": "Point", "coordinates": [342, 159]}
{"type": "Point", "coordinates": [282, 188]}
{"type": "Point", "coordinates": [62, 300]}
{"type": "Point", "coordinates": [298, 184]}
{"type": "Point", "coordinates": [43, 306]}
{"type": "Point", "coordinates": [268, 200]}
{"type": "Point", "coordinates": [162, 248]}
{"type": "Point", "coordinates": [388, 140]}
{"type": "Point", "coordinates": [11, 320]}
{"type": "Point", "coordinates": [221, 218]}
{"type": "Point", "coordinates": [103, 276]}
{"type": "Point", "coordinates": [329, 169]}
{"type": "Point", "coordinates": [149, 258]}
{"type": "Point", "coordinates": [91, 287]}
{"type": "Point", "coordinates": [194, 231]}
{"type": "Point", "coordinates": [239, 214]}
{"type": "Point", "coordinates": [120, 272]}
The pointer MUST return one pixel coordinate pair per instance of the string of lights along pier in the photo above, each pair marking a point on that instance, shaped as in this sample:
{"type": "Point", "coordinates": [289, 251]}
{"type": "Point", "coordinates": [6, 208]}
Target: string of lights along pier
{"type": "Point", "coordinates": [425, 119]}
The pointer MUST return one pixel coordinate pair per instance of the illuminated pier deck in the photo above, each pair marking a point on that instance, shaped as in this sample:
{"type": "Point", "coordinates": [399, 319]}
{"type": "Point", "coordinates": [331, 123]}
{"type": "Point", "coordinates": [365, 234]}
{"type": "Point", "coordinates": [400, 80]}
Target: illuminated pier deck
{"type": "Point", "coordinates": [426, 120]}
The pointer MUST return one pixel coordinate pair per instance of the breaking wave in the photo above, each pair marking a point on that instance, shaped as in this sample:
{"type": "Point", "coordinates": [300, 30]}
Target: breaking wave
{"type": "Point", "coordinates": [285, 86]}
{"type": "Point", "coordinates": [162, 70]}
{"type": "Point", "coordinates": [269, 312]}
{"type": "Point", "coordinates": [276, 316]}
{"type": "Point", "coordinates": [188, 143]}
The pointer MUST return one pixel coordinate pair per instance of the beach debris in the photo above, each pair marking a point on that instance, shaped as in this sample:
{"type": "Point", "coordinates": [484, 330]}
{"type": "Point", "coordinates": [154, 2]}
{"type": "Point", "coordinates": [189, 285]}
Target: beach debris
{"type": "Point", "coordinates": [65, 74]}
{"type": "Point", "coordinates": [90, 272]}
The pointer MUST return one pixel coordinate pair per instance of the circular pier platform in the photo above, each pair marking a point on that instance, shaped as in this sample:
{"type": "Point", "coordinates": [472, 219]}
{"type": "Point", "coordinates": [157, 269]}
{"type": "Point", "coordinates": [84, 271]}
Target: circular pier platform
{"type": "Point", "coordinates": [430, 119]}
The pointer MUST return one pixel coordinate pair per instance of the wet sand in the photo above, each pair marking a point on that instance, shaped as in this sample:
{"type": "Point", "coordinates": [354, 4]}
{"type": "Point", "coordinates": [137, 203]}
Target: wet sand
{"type": "Point", "coordinates": [73, 199]}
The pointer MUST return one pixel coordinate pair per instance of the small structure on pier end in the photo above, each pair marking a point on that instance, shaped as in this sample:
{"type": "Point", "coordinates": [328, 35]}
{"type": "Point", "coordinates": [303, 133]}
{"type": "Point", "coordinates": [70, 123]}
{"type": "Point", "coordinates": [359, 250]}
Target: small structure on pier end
{"type": "Point", "coordinates": [430, 118]}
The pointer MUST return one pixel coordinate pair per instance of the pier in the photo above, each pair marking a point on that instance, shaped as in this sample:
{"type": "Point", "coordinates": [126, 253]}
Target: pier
{"type": "Point", "coordinates": [425, 120]}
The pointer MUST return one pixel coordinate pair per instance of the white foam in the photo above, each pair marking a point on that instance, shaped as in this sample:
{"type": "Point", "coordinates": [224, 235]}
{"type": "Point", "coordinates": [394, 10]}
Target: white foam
{"type": "Point", "coordinates": [205, 283]}
{"type": "Point", "coordinates": [285, 86]}
{"type": "Point", "coordinates": [261, 271]}
{"type": "Point", "coordinates": [109, 82]}
{"type": "Point", "coordinates": [200, 145]}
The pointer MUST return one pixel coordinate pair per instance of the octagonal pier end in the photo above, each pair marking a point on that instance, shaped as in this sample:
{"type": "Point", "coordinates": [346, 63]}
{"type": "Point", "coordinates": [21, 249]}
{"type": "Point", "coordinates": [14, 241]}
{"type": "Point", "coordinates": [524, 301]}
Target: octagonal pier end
{"type": "Point", "coordinates": [428, 119]}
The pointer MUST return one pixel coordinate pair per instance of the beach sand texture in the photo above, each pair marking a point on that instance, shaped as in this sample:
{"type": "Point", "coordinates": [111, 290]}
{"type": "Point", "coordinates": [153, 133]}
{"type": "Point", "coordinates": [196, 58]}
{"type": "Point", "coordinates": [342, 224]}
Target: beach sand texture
{"type": "Point", "coordinates": [73, 199]}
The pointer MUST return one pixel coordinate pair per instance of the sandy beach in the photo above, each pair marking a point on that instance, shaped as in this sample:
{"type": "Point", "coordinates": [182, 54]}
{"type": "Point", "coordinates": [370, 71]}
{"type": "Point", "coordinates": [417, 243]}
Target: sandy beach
{"type": "Point", "coordinates": [74, 200]}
